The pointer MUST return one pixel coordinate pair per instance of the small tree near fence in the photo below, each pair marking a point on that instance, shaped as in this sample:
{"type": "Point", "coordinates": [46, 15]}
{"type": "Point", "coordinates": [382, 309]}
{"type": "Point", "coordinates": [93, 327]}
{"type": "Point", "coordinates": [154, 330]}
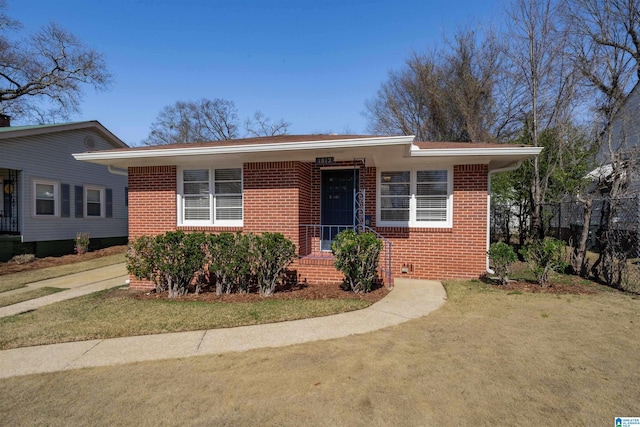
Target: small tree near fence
{"type": "Point", "coordinates": [544, 257]}
{"type": "Point", "coordinates": [501, 256]}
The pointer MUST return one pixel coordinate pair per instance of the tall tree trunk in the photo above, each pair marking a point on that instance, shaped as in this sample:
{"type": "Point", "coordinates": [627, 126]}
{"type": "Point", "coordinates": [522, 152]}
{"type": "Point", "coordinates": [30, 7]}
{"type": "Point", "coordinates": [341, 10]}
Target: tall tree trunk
{"type": "Point", "coordinates": [579, 261]}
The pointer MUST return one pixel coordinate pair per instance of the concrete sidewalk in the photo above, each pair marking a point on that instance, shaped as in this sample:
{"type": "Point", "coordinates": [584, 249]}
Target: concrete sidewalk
{"type": "Point", "coordinates": [409, 299]}
{"type": "Point", "coordinates": [77, 284]}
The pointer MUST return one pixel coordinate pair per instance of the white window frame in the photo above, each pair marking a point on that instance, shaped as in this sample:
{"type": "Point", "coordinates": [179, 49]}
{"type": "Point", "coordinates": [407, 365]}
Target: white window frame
{"type": "Point", "coordinates": [88, 188]}
{"type": "Point", "coordinates": [213, 221]}
{"type": "Point", "coordinates": [56, 198]}
{"type": "Point", "coordinates": [413, 185]}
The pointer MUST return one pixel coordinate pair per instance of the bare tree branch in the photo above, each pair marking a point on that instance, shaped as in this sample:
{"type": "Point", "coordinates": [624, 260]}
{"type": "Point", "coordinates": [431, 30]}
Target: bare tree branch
{"type": "Point", "coordinates": [261, 125]}
{"type": "Point", "coordinates": [45, 74]}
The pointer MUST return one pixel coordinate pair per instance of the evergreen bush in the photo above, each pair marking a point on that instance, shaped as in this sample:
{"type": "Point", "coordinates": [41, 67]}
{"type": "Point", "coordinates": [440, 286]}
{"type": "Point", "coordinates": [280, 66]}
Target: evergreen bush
{"type": "Point", "coordinates": [502, 256]}
{"type": "Point", "coordinates": [356, 256]}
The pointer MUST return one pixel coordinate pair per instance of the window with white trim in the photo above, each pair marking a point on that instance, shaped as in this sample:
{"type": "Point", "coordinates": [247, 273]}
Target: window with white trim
{"type": "Point", "coordinates": [415, 198]}
{"type": "Point", "coordinates": [94, 202]}
{"type": "Point", "coordinates": [210, 196]}
{"type": "Point", "coordinates": [46, 195]}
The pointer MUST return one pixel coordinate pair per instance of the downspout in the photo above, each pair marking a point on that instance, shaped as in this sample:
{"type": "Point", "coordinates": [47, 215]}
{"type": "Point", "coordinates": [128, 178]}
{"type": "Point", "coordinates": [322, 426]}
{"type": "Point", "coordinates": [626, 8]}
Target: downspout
{"type": "Point", "coordinates": [491, 172]}
{"type": "Point", "coordinates": [117, 171]}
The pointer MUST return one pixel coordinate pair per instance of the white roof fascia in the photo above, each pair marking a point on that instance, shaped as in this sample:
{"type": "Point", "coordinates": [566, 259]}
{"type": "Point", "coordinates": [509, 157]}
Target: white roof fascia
{"type": "Point", "coordinates": [246, 148]}
{"type": "Point", "coordinates": [458, 152]}
{"type": "Point", "coordinates": [64, 127]}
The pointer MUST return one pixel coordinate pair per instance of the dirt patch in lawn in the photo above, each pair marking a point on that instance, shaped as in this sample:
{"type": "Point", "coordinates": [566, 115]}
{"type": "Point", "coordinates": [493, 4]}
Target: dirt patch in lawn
{"type": "Point", "coordinates": [10, 267]}
{"type": "Point", "coordinates": [306, 291]}
{"type": "Point", "coordinates": [553, 288]}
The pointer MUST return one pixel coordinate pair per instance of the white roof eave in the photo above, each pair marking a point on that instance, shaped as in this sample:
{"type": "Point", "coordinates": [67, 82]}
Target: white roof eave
{"type": "Point", "coordinates": [241, 149]}
{"type": "Point", "coordinates": [474, 152]}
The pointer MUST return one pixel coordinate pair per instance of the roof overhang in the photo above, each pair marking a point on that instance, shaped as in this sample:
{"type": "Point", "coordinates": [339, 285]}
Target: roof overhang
{"type": "Point", "coordinates": [26, 131]}
{"type": "Point", "coordinates": [376, 151]}
{"type": "Point", "coordinates": [496, 157]}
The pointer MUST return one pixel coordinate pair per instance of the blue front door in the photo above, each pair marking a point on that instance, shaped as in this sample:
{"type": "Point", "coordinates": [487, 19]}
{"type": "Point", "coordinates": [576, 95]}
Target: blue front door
{"type": "Point", "coordinates": [338, 200]}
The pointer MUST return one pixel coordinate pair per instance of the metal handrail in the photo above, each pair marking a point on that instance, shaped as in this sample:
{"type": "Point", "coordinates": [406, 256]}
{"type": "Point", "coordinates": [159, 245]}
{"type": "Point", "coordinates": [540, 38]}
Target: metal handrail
{"type": "Point", "coordinates": [317, 231]}
{"type": "Point", "coordinates": [385, 271]}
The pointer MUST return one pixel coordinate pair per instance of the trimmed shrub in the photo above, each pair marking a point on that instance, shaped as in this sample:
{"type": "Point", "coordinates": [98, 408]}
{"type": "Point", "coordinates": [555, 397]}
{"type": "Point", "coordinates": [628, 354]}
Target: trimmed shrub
{"type": "Point", "coordinates": [179, 257]}
{"type": "Point", "coordinates": [227, 262]}
{"type": "Point", "coordinates": [141, 261]}
{"type": "Point", "coordinates": [544, 257]}
{"type": "Point", "coordinates": [233, 262]}
{"type": "Point", "coordinates": [272, 253]}
{"type": "Point", "coordinates": [356, 256]}
{"type": "Point", "coordinates": [501, 256]}
{"type": "Point", "coordinates": [81, 243]}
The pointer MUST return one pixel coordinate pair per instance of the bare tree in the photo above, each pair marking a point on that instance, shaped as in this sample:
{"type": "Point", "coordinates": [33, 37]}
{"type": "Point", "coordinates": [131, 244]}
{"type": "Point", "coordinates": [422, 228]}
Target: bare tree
{"type": "Point", "coordinates": [605, 45]}
{"type": "Point", "coordinates": [42, 76]}
{"type": "Point", "coordinates": [545, 81]}
{"type": "Point", "coordinates": [261, 125]}
{"type": "Point", "coordinates": [445, 94]}
{"type": "Point", "coordinates": [194, 121]}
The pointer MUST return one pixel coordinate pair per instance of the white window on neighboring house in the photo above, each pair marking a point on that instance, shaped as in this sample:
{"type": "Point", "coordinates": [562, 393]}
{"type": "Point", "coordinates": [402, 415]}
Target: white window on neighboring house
{"type": "Point", "coordinates": [94, 202]}
{"type": "Point", "coordinates": [210, 196]}
{"type": "Point", "coordinates": [46, 195]}
{"type": "Point", "coordinates": [415, 198]}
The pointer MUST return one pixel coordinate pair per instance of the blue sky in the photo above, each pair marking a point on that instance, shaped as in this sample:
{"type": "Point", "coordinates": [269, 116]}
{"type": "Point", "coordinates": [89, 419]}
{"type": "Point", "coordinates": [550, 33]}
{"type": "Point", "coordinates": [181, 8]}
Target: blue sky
{"type": "Point", "coordinates": [312, 63]}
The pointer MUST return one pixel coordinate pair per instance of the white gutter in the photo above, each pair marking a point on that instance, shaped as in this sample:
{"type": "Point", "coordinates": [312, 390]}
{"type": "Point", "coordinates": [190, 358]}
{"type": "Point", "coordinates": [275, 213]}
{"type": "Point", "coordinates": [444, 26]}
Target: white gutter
{"type": "Point", "coordinates": [491, 172]}
{"type": "Point", "coordinates": [246, 148]}
{"type": "Point", "coordinates": [117, 171]}
{"type": "Point", "coordinates": [446, 152]}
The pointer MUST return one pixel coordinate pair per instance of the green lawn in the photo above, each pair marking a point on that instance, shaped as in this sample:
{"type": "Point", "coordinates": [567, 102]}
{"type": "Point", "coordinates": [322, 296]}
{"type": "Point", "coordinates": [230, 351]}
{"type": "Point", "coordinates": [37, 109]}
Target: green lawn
{"type": "Point", "coordinates": [113, 313]}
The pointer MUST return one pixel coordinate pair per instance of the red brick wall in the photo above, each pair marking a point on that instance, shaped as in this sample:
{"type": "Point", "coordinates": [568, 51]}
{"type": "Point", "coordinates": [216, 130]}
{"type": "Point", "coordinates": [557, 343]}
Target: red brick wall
{"type": "Point", "coordinates": [271, 198]}
{"type": "Point", "coordinates": [152, 200]}
{"type": "Point", "coordinates": [152, 205]}
{"type": "Point", "coordinates": [440, 253]}
{"type": "Point", "coordinates": [278, 196]}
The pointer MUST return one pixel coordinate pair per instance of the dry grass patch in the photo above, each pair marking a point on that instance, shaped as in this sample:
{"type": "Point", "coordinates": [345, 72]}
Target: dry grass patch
{"type": "Point", "coordinates": [12, 281]}
{"type": "Point", "coordinates": [114, 313]}
{"type": "Point", "coordinates": [6, 300]}
{"type": "Point", "coordinates": [485, 358]}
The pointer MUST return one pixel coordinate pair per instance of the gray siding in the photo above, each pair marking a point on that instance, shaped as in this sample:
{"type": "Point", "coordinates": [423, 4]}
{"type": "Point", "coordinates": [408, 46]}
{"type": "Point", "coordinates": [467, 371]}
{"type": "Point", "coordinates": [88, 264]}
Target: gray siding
{"type": "Point", "coordinates": [49, 157]}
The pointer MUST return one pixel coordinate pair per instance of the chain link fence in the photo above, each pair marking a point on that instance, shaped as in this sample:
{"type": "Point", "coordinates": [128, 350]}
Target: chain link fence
{"type": "Point", "coordinates": [613, 240]}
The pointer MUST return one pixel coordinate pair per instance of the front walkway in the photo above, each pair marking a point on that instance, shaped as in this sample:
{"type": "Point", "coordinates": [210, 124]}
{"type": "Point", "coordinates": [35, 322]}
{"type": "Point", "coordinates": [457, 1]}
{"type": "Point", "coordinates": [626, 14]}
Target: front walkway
{"type": "Point", "coordinates": [77, 284]}
{"type": "Point", "coordinates": [408, 300]}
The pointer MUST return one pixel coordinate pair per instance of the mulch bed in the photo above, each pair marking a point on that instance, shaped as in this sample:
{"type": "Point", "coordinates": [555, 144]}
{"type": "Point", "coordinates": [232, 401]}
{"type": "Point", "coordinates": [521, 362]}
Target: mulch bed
{"type": "Point", "coordinates": [12, 267]}
{"type": "Point", "coordinates": [307, 291]}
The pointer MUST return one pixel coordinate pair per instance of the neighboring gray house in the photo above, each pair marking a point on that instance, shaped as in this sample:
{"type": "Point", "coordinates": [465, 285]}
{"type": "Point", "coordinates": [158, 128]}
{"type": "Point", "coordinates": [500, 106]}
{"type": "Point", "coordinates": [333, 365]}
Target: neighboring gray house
{"type": "Point", "coordinates": [47, 197]}
{"type": "Point", "coordinates": [621, 144]}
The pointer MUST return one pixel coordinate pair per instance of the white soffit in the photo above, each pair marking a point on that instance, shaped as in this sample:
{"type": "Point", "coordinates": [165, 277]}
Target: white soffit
{"type": "Point", "coordinates": [245, 148]}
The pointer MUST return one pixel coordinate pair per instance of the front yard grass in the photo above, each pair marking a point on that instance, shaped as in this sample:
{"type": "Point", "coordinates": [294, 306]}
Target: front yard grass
{"type": "Point", "coordinates": [113, 313]}
{"type": "Point", "coordinates": [487, 357]}
{"type": "Point", "coordinates": [20, 280]}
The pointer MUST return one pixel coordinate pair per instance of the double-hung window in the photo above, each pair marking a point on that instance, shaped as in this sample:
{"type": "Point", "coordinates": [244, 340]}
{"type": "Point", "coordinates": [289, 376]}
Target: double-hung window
{"type": "Point", "coordinates": [45, 198]}
{"type": "Point", "coordinates": [415, 198]}
{"type": "Point", "coordinates": [210, 196]}
{"type": "Point", "coordinates": [94, 202]}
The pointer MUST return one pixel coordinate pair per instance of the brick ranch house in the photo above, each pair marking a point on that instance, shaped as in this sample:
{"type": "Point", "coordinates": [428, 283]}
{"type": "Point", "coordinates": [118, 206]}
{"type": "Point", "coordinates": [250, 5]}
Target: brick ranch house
{"type": "Point", "coordinates": [428, 200]}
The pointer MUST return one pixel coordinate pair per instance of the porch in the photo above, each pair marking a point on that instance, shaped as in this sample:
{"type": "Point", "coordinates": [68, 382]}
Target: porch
{"type": "Point", "coordinates": [316, 257]}
{"type": "Point", "coordinates": [9, 202]}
